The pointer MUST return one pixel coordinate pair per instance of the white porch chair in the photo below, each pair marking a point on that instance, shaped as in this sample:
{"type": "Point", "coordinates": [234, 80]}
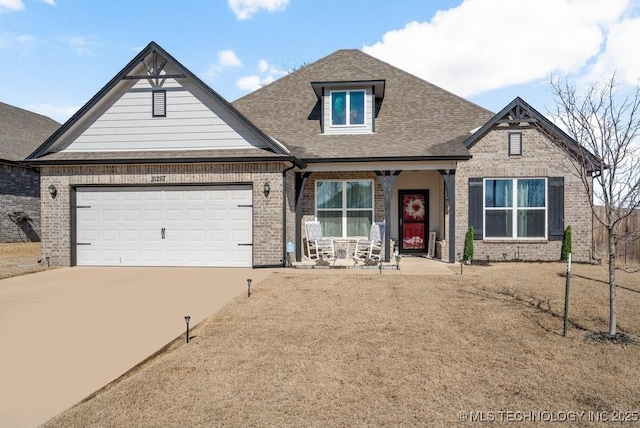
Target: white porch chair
{"type": "Point", "coordinates": [317, 245]}
{"type": "Point", "coordinates": [372, 247]}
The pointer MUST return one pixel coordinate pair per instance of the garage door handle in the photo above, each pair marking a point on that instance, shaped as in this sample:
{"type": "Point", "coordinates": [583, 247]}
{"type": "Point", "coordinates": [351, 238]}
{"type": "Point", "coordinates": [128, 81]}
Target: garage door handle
{"type": "Point", "coordinates": [251, 245]}
{"type": "Point", "coordinates": [162, 232]}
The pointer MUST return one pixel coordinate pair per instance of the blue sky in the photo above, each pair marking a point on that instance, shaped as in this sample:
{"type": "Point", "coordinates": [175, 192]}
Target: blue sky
{"type": "Point", "coordinates": [56, 54]}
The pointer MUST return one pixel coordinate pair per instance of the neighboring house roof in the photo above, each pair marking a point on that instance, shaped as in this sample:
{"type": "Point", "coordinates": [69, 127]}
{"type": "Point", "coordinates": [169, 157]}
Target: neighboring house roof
{"type": "Point", "coordinates": [49, 152]}
{"type": "Point", "coordinates": [415, 119]}
{"type": "Point", "coordinates": [517, 112]}
{"type": "Point", "coordinates": [21, 132]}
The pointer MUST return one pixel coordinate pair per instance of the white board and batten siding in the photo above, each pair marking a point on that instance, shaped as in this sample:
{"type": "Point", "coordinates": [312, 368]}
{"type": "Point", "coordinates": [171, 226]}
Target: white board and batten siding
{"type": "Point", "coordinates": [194, 121]}
{"type": "Point", "coordinates": [164, 226]}
{"type": "Point", "coordinates": [367, 128]}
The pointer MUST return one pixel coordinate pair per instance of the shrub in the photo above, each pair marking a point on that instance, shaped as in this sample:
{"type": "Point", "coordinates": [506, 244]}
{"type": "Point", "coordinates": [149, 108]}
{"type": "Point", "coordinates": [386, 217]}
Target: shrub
{"type": "Point", "coordinates": [566, 244]}
{"type": "Point", "coordinates": [468, 246]}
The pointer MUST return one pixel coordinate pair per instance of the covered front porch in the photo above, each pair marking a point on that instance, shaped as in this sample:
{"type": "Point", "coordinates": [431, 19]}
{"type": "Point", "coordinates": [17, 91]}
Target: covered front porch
{"type": "Point", "coordinates": [411, 199]}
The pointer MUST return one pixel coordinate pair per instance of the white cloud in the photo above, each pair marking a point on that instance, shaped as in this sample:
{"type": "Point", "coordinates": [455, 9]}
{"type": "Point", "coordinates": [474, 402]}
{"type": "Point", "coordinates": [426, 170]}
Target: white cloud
{"type": "Point", "coordinates": [251, 83]}
{"type": "Point", "coordinates": [248, 83]}
{"type": "Point", "coordinates": [15, 5]}
{"type": "Point", "coordinates": [9, 40]}
{"type": "Point", "coordinates": [266, 74]}
{"type": "Point", "coordinates": [59, 113]}
{"type": "Point", "coordinates": [11, 5]}
{"type": "Point", "coordinates": [245, 9]}
{"type": "Point", "coordinates": [489, 44]}
{"type": "Point", "coordinates": [263, 66]}
{"type": "Point", "coordinates": [81, 45]}
{"type": "Point", "coordinates": [622, 41]}
{"type": "Point", "coordinates": [228, 58]}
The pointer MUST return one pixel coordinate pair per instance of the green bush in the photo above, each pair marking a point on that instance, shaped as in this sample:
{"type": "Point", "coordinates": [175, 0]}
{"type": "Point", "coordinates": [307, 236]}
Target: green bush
{"type": "Point", "coordinates": [566, 244]}
{"type": "Point", "coordinates": [468, 245]}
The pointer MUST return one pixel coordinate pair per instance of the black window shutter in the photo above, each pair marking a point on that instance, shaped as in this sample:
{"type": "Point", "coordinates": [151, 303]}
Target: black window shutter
{"type": "Point", "coordinates": [556, 208]}
{"type": "Point", "coordinates": [475, 207]}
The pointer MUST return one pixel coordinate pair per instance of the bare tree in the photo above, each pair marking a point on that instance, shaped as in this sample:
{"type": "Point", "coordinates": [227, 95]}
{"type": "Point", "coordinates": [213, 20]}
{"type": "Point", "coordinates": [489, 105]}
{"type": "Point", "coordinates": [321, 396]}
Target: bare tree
{"type": "Point", "coordinates": [605, 121]}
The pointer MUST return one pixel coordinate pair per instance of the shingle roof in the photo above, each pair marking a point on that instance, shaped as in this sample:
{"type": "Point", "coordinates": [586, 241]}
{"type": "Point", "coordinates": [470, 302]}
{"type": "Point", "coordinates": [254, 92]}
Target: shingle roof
{"type": "Point", "coordinates": [416, 119]}
{"type": "Point", "coordinates": [22, 131]}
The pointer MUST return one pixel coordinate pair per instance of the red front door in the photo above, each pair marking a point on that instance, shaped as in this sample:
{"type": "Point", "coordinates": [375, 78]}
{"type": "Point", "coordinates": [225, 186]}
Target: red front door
{"type": "Point", "coordinates": [414, 220]}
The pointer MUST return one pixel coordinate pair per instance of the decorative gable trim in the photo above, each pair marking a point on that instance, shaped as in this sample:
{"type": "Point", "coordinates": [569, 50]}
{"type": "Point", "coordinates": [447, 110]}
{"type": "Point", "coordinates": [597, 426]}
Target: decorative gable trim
{"type": "Point", "coordinates": [517, 112]}
{"type": "Point", "coordinates": [154, 68]}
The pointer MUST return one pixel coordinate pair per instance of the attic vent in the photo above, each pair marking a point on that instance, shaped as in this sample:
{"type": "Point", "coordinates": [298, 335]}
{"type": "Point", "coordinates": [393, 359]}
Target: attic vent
{"type": "Point", "coordinates": [159, 103]}
{"type": "Point", "coordinates": [515, 143]}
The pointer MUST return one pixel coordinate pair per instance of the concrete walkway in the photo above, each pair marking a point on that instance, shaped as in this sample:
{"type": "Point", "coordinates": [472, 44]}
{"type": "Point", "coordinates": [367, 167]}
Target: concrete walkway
{"type": "Point", "coordinates": [67, 332]}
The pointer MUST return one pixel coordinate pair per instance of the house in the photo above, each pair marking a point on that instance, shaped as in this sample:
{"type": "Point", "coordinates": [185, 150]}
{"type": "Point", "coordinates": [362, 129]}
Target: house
{"type": "Point", "coordinates": [21, 132]}
{"type": "Point", "coordinates": [158, 169]}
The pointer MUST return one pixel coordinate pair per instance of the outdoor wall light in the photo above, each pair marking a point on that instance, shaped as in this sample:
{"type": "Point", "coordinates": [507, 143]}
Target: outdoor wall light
{"type": "Point", "coordinates": [267, 189]}
{"type": "Point", "coordinates": [53, 191]}
{"type": "Point", "coordinates": [187, 318]}
{"type": "Point", "coordinates": [249, 287]}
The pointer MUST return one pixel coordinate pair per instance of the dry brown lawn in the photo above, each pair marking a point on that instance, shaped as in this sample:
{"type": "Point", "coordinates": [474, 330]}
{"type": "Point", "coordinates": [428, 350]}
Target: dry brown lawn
{"type": "Point", "coordinates": [396, 350]}
{"type": "Point", "coordinates": [20, 259]}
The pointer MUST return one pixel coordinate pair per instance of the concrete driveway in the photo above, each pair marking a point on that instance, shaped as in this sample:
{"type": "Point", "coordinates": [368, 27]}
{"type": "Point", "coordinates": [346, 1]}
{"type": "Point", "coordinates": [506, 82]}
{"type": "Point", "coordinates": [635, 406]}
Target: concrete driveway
{"type": "Point", "coordinates": [67, 332]}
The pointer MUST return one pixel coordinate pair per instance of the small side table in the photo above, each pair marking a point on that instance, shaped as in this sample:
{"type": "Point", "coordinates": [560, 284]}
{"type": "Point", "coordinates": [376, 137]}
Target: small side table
{"type": "Point", "coordinates": [341, 249]}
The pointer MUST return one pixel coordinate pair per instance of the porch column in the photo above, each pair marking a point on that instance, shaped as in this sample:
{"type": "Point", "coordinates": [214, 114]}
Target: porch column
{"type": "Point", "coordinates": [301, 180]}
{"type": "Point", "coordinates": [449, 178]}
{"type": "Point", "coordinates": [388, 180]}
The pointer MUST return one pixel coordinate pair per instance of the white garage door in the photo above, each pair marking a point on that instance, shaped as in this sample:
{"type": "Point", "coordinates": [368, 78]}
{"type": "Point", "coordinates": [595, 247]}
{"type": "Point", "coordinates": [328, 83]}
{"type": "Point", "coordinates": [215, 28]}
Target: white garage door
{"type": "Point", "coordinates": [167, 226]}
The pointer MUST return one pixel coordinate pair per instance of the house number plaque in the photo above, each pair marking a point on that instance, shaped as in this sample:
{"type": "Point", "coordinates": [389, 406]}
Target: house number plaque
{"type": "Point", "coordinates": [158, 178]}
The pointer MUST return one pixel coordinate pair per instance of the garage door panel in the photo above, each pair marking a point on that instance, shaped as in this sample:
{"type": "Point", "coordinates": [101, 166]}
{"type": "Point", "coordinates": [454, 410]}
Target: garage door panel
{"type": "Point", "coordinates": [176, 215]}
{"type": "Point", "coordinates": [174, 196]}
{"type": "Point", "coordinates": [131, 215]}
{"type": "Point", "coordinates": [203, 226]}
{"type": "Point", "coordinates": [152, 197]}
{"type": "Point", "coordinates": [197, 235]}
{"type": "Point", "coordinates": [89, 235]}
{"type": "Point", "coordinates": [153, 256]}
{"type": "Point", "coordinates": [153, 214]}
{"type": "Point", "coordinates": [109, 215]}
{"type": "Point", "coordinates": [196, 214]}
{"type": "Point", "coordinates": [108, 196]}
{"type": "Point", "coordinates": [110, 235]}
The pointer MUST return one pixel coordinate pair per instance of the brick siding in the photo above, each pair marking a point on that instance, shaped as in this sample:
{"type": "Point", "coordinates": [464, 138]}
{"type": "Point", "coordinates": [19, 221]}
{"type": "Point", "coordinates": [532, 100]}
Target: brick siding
{"type": "Point", "coordinates": [267, 211]}
{"type": "Point", "coordinates": [19, 192]}
{"type": "Point", "coordinates": [540, 158]}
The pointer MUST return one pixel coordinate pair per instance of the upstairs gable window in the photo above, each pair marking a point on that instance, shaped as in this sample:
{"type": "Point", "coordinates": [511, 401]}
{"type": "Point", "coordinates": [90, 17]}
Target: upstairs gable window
{"type": "Point", "coordinates": [347, 108]}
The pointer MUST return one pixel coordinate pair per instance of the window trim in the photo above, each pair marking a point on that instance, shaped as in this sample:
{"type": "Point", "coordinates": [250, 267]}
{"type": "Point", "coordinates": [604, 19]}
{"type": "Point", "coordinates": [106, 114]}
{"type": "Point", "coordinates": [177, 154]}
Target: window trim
{"type": "Point", "coordinates": [344, 209]}
{"type": "Point", "coordinates": [158, 92]}
{"type": "Point", "coordinates": [514, 210]}
{"type": "Point", "coordinates": [348, 108]}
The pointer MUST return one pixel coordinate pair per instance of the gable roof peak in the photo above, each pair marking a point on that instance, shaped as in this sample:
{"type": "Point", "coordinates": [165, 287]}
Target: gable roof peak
{"type": "Point", "coordinates": [153, 69]}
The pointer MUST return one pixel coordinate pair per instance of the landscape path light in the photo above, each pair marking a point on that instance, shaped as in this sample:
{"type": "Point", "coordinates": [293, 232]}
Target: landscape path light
{"type": "Point", "coordinates": [249, 287]}
{"type": "Point", "coordinates": [187, 318]}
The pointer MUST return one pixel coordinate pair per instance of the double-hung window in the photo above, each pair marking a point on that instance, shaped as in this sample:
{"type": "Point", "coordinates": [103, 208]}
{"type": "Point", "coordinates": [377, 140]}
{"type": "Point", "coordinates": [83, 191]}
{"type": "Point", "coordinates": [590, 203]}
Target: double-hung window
{"type": "Point", "coordinates": [347, 108]}
{"type": "Point", "coordinates": [344, 208]}
{"type": "Point", "coordinates": [515, 208]}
